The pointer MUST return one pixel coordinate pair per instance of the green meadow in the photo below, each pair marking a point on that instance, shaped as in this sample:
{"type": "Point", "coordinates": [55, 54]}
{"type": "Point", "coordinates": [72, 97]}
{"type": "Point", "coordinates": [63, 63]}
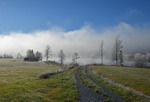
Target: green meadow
{"type": "Point", "coordinates": [135, 78]}
{"type": "Point", "coordinates": [19, 82]}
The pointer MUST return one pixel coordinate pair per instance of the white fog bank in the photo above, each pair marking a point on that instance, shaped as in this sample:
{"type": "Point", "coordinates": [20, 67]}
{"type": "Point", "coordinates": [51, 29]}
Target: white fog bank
{"type": "Point", "coordinates": [85, 41]}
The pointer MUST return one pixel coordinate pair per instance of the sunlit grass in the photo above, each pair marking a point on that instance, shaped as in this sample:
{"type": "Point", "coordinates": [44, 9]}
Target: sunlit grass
{"type": "Point", "coordinates": [19, 83]}
{"type": "Point", "coordinates": [127, 95]}
{"type": "Point", "coordinates": [11, 70]}
{"type": "Point", "coordinates": [136, 78]}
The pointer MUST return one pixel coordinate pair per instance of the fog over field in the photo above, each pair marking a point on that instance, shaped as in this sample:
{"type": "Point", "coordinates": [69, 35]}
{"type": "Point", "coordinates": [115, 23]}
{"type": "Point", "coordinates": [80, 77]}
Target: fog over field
{"type": "Point", "coordinates": [85, 41]}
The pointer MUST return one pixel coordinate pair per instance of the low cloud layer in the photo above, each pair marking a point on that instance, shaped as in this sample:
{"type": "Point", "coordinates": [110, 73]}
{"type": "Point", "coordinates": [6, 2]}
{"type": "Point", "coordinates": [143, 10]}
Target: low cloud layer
{"type": "Point", "coordinates": [85, 41]}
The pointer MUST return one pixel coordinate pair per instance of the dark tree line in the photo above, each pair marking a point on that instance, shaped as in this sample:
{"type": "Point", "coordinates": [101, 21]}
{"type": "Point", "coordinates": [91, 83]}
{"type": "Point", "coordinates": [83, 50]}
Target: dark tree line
{"type": "Point", "coordinates": [31, 56]}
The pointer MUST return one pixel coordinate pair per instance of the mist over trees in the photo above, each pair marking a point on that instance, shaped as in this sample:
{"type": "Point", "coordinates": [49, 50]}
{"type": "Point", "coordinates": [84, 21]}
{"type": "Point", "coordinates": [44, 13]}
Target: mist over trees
{"type": "Point", "coordinates": [85, 41]}
{"type": "Point", "coordinates": [142, 60]}
{"type": "Point", "coordinates": [138, 59]}
{"type": "Point", "coordinates": [19, 56]}
{"type": "Point", "coordinates": [6, 56]}
{"type": "Point", "coordinates": [147, 57]}
{"type": "Point", "coordinates": [118, 55]}
{"type": "Point", "coordinates": [129, 57]}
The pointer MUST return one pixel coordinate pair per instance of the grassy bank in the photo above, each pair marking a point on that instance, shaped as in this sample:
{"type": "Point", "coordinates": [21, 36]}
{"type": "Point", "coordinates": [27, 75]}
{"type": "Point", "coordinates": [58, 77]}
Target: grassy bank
{"type": "Point", "coordinates": [19, 83]}
{"type": "Point", "coordinates": [135, 78]}
{"type": "Point", "coordinates": [125, 94]}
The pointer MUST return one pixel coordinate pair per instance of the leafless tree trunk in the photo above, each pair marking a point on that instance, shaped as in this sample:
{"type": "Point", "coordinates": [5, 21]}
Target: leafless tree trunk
{"type": "Point", "coordinates": [61, 55]}
{"type": "Point", "coordinates": [48, 52]}
{"type": "Point", "coordinates": [121, 58]}
{"type": "Point", "coordinates": [75, 57]}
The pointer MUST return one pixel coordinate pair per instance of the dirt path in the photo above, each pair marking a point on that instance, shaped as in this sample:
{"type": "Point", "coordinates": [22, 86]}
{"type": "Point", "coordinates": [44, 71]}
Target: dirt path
{"type": "Point", "coordinates": [110, 94]}
{"type": "Point", "coordinates": [86, 95]}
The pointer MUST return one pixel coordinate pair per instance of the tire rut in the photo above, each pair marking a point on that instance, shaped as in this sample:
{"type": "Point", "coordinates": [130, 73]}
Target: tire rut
{"type": "Point", "coordinates": [110, 94]}
{"type": "Point", "coordinates": [86, 95]}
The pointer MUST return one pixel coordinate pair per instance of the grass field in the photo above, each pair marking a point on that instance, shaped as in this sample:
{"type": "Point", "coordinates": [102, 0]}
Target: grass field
{"type": "Point", "coordinates": [19, 83]}
{"type": "Point", "coordinates": [135, 78]}
{"type": "Point", "coordinates": [12, 69]}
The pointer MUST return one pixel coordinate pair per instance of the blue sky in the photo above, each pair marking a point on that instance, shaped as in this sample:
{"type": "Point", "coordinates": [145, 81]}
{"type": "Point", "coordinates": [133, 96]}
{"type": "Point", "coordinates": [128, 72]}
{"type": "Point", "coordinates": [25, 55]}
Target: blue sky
{"type": "Point", "coordinates": [31, 15]}
{"type": "Point", "coordinates": [77, 24]}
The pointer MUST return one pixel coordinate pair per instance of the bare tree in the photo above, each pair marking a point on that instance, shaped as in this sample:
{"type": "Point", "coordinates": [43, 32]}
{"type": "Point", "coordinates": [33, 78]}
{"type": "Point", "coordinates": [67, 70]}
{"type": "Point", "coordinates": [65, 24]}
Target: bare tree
{"type": "Point", "coordinates": [101, 51]}
{"type": "Point", "coordinates": [19, 56]}
{"type": "Point", "coordinates": [48, 52]}
{"type": "Point", "coordinates": [61, 55]}
{"type": "Point", "coordinates": [75, 57]}
{"type": "Point", "coordinates": [117, 47]}
{"type": "Point", "coordinates": [140, 60]}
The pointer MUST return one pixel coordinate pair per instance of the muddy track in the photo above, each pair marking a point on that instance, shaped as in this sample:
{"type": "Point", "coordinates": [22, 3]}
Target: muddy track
{"type": "Point", "coordinates": [86, 95]}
